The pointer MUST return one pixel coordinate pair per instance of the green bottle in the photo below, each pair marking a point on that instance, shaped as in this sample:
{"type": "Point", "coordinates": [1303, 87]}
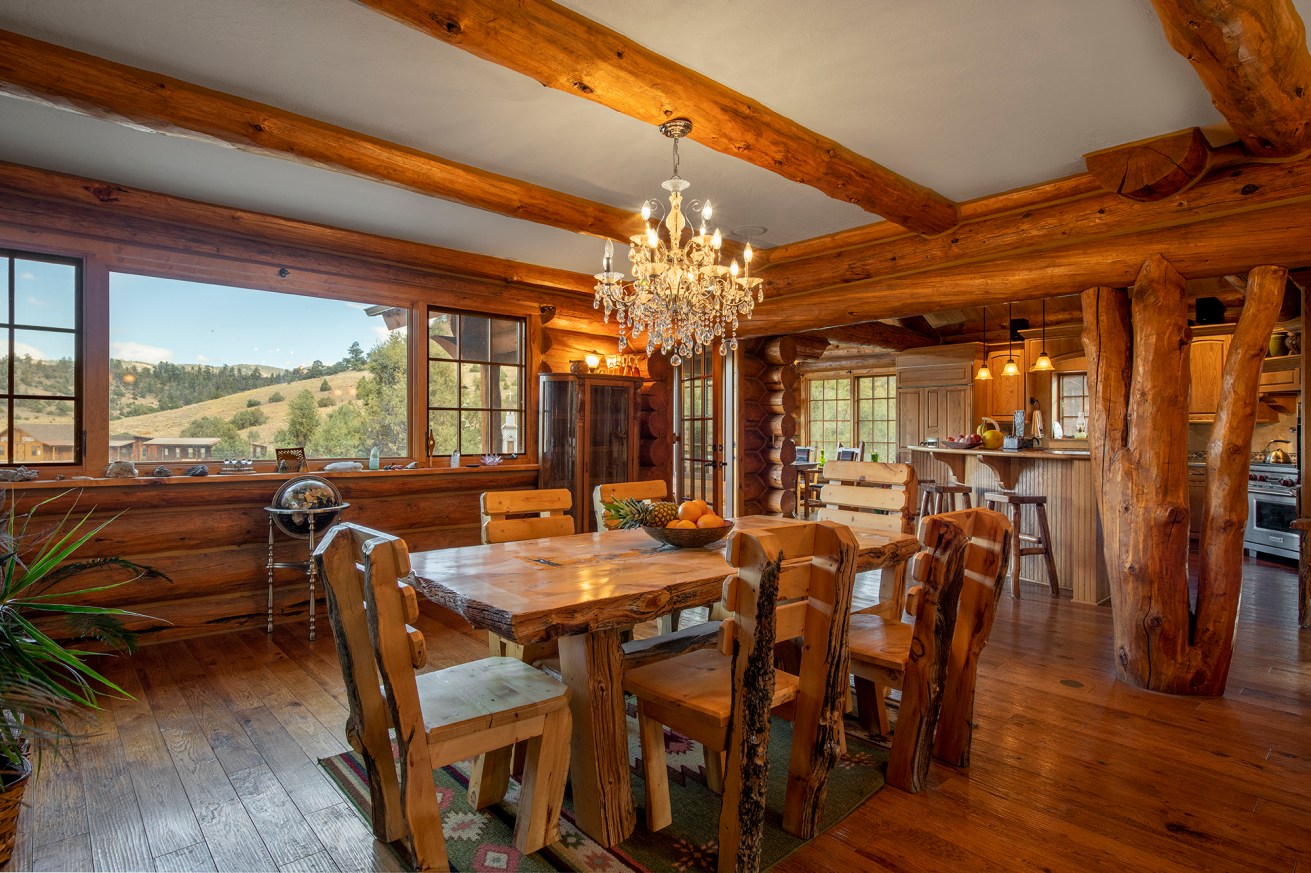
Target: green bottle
{"type": "Point", "coordinates": [821, 457]}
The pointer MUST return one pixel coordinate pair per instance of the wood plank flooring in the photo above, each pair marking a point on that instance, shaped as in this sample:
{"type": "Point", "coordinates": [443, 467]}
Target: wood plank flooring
{"type": "Point", "coordinates": [213, 765]}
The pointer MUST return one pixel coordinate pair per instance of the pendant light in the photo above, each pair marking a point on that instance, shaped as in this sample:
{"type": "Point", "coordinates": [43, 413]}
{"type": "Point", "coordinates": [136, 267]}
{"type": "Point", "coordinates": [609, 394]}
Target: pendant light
{"type": "Point", "coordinates": [1011, 368]}
{"type": "Point", "coordinates": [984, 373]}
{"type": "Point", "coordinates": [1044, 362]}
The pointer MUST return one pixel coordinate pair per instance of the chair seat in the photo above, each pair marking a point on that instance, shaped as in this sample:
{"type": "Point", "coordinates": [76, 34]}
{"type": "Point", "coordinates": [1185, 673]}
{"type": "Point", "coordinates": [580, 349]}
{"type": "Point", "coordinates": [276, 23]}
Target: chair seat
{"type": "Point", "coordinates": [879, 640]}
{"type": "Point", "coordinates": [480, 695]}
{"type": "Point", "coordinates": [698, 684]}
{"type": "Point", "coordinates": [1008, 497]}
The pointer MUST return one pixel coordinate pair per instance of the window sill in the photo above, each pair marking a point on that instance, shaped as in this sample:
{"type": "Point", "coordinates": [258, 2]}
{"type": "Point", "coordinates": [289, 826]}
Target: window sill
{"type": "Point", "coordinates": [148, 481]}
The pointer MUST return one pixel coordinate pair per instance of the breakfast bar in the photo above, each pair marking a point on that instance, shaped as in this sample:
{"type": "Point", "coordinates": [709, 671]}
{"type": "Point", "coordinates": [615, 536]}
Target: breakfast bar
{"type": "Point", "coordinates": [1064, 477]}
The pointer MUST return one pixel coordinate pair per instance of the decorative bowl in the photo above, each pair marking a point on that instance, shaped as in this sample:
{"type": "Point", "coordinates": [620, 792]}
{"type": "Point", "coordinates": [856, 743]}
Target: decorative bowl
{"type": "Point", "coordinates": [682, 538]}
{"type": "Point", "coordinates": [963, 444]}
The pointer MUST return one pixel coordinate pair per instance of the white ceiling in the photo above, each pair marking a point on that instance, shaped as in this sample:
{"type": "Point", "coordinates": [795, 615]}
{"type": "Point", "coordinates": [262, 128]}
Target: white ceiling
{"type": "Point", "coordinates": [968, 97]}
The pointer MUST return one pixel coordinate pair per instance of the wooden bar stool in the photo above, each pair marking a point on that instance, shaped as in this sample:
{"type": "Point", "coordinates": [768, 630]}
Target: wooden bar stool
{"type": "Point", "coordinates": [1043, 540]}
{"type": "Point", "coordinates": [940, 498]}
{"type": "Point", "coordinates": [926, 503]}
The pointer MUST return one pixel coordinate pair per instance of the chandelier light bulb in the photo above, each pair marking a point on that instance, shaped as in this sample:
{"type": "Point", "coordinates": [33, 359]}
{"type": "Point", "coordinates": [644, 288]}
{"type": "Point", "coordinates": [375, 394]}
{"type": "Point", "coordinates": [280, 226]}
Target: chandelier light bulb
{"type": "Point", "coordinates": [652, 240]}
{"type": "Point", "coordinates": [646, 211]}
{"type": "Point", "coordinates": [732, 268]}
{"type": "Point", "coordinates": [717, 241]}
{"type": "Point", "coordinates": [746, 253]}
{"type": "Point", "coordinates": [706, 211]}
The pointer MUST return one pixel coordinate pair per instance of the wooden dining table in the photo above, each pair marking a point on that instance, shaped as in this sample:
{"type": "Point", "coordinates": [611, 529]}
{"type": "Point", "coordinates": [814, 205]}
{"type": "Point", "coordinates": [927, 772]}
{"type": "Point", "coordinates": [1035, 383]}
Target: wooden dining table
{"type": "Point", "coordinates": [586, 590]}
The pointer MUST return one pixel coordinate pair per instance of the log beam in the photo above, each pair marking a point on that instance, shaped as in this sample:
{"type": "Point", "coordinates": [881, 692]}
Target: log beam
{"type": "Point", "coordinates": [877, 334]}
{"type": "Point", "coordinates": [1159, 167]}
{"type": "Point", "coordinates": [561, 49]}
{"type": "Point", "coordinates": [1252, 57]}
{"type": "Point", "coordinates": [1228, 222]}
{"type": "Point", "coordinates": [65, 79]}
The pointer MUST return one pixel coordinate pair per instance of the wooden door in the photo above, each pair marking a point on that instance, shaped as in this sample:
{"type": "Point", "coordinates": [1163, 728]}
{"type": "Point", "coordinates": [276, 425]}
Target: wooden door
{"type": "Point", "coordinates": [1006, 393]}
{"type": "Point", "coordinates": [957, 411]}
{"type": "Point", "coordinates": [932, 412]}
{"type": "Point", "coordinates": [910, 421]}
{"type": "Point", "coordinates": [699, 425]}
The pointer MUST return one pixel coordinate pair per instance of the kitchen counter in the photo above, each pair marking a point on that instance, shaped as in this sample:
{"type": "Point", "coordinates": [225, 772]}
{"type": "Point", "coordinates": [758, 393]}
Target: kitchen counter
{"type": "Point", "coordinates": [1071, 507]}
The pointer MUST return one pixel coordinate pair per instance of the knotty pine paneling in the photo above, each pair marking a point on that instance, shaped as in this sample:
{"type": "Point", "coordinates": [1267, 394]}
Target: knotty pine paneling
{"type": "Point", "coordinates": [211, 538]}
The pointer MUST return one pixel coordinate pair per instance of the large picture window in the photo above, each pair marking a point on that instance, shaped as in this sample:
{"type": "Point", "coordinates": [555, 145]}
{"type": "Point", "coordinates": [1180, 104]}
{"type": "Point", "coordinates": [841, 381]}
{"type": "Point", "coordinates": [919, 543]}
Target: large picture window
{"type": "Point", "coordinates": [40, 371]}
{"type": "Point", "coordinates": [859, 411]}
{"type": "Point", "coordinates": [475, 383]}
{"type": "Point", "coordinates": [200, 372]}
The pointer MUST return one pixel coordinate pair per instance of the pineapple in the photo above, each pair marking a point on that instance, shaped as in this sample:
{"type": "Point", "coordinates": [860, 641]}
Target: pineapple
{"type": "Point", "coordinates": [629, 513]}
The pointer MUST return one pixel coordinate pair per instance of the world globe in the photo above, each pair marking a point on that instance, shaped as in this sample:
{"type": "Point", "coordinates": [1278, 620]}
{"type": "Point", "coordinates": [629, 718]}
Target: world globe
{"type": "Point", "coordinates": [306, 492]}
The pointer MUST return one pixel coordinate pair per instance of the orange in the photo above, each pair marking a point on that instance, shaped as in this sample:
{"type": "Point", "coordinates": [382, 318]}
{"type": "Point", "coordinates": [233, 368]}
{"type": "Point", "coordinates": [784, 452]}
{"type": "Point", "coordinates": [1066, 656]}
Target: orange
{"type": "Point", "coordinates": [688, 510]}
{"type": "Point", "coordinates": [685, 525]}
{"type": "Point", "coordinates": [672, 523]}
{"type": "Point", "coordinates": [709, 520]}
{"type": "Point", "coordinates": [705, 507]}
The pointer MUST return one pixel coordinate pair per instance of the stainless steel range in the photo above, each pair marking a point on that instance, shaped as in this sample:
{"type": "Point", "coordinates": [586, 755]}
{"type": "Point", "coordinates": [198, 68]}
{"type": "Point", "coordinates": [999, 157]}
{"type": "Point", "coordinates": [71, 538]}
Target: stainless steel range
{"type": "Point", "coordinates": [1271, 509]}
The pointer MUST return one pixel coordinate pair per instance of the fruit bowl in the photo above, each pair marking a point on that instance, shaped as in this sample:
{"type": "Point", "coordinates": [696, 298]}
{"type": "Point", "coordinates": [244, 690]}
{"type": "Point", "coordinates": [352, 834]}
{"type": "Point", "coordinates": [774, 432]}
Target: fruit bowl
{"type": "Point", "coordinates": [964, 444]}
{"type": "Point", "coordinates": [683, 538]}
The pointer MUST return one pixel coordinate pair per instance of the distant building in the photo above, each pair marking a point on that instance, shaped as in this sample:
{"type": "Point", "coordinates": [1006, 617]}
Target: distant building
{"type": "Point", "coordinates": [39, 444]}
{"type": "Point", "coordinates": [125, 447]}
{"type": "Point", "coordinates": [179, 448]}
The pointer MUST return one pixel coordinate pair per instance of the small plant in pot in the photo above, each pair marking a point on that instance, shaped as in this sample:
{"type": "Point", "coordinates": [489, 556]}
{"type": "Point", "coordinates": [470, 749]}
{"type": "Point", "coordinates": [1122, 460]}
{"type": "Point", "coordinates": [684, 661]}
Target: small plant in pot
{"type": "Point", "coordinates": [48, 687]}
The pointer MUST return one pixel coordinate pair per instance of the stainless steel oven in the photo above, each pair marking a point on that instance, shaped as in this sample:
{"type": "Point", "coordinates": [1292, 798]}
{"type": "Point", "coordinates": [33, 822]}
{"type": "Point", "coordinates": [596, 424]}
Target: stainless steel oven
{"type": "Point", "coordinates": [1271, 511]}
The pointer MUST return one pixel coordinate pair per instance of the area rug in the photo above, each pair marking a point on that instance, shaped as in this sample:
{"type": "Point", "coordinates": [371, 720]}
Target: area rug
{"type": "Point", "coordinates": [484, 840]}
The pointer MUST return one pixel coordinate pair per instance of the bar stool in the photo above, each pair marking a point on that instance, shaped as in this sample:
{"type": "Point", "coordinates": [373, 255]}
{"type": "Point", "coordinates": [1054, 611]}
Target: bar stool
{"type": "Point", "coordinates": [1043, 540]}
{"type": "Point", "coordinates": [926, 502]}
{"type": "Point", "coordinates": [942, 498]}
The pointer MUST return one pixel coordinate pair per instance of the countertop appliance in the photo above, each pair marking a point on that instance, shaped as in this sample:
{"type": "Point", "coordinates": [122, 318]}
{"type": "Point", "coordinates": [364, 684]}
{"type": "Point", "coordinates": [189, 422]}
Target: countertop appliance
{"type": "Point", "coordinates": [1271, 509]}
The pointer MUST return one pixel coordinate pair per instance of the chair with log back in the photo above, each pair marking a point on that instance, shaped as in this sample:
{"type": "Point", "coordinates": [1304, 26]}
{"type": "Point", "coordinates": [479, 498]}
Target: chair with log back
{"type": "Point", "coordinates": [959, 577]}
{"type": "Point", "coordinates": [511, 516]}
{"type": "Point", "coordinates": [873, 496]}
{"type": "Point", "coordinates": [793, 581]}
{"type": "Point", "coordinates": [477, 709]}
{"type": "Point", "coordinates": [654, 489]}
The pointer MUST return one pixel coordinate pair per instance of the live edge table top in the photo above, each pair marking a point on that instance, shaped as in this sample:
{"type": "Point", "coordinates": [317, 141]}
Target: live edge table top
{"type": "Point", "coordinates": [536, 590]}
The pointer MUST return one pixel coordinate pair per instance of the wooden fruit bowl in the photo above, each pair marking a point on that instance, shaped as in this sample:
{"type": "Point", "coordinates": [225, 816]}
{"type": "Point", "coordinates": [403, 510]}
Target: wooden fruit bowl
{"type": "Point", "coordinates": [683, 538]}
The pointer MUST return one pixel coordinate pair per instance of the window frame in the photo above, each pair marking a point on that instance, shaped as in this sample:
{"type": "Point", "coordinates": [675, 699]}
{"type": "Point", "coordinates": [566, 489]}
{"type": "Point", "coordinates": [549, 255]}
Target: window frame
{"type": "Point", "coordinates": [1058, 397]}
{"type": "Point", "coordinates": [459, 409]}
{"type": "Point", "coordinates": [854, 421]}
{"type": "Point", "coordinates": [77, 331]}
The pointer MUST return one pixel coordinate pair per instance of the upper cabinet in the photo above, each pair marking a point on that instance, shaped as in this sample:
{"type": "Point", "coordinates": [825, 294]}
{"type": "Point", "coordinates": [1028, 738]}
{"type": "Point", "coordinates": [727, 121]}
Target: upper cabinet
{"type": "Point", "coordinates": [1001, 395]}
{"type": "Point", "coordinates": [1206, 367]}
{"type": "Point", "coordinates": [935, 396]}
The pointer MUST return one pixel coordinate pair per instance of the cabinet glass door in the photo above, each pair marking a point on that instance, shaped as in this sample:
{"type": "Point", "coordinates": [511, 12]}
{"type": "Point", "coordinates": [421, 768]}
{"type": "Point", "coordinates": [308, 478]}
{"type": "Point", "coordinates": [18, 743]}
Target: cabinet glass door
{"type": "Point", "coordinates": [559, 435]}
{"type": "Point", "coordinates": [610, 419]}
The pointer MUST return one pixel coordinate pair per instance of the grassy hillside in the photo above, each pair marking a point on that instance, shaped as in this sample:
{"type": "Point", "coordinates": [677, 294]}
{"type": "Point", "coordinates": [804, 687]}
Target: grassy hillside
{"type": "Point", "coordinates": [171, 422]}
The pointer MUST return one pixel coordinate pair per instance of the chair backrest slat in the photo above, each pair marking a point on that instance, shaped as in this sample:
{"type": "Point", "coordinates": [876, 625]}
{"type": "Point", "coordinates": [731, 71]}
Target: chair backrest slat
{"type": "Point", "coordinates": [654, 489]}
{"type": "Point", "coordinates": [510, 516]}
{"type": "Point", "coordinates": [870, 496]}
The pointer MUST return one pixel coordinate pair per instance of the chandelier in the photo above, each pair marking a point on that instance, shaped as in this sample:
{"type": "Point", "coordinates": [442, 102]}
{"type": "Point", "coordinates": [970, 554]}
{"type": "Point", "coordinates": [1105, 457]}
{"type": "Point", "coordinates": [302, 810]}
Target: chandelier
{"type": "Point", "coordinates": [680, 295]}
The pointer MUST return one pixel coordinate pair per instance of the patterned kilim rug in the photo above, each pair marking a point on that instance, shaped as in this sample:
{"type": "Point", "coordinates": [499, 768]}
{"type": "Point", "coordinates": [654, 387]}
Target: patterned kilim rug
{"type": "Point", "coordinates": [484, 840]}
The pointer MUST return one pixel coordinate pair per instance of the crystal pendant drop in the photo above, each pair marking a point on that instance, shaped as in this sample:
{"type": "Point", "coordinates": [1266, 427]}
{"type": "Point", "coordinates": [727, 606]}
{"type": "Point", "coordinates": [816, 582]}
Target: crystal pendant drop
{"type": "Point", "coordinates": [675, 360]}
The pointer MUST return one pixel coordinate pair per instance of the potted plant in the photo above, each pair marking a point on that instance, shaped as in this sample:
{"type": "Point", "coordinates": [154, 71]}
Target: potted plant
{"type": "Point", "coordinates": [48, 686]}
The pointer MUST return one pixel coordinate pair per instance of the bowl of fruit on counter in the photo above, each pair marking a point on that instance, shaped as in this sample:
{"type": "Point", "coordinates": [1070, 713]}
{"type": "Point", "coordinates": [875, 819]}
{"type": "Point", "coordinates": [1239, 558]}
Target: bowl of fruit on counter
{"type": "Point", "coordinates": [687, 525]}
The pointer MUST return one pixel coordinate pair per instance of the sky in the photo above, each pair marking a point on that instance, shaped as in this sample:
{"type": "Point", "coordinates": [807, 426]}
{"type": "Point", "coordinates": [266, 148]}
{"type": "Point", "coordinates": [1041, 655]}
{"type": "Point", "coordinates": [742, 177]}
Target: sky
{"type": "Point", "coordinates": [153, 320]}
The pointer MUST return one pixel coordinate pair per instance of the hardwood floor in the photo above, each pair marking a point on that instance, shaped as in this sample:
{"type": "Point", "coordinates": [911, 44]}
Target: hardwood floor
{"type": "Point", "coordinates": [213, 765]}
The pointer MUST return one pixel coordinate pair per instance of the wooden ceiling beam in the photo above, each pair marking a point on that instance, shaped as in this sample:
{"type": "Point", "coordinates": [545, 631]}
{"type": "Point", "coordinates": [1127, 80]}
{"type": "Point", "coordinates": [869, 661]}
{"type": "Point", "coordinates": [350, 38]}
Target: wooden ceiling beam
{"type": "Point", "coordinates": [876, 334]}
{"type": "Point", "coordinates": [1087, 218]}
{"type": "Point", "coordinates": [55, 76]}
{"type": "Point", "coordinates": [561, 49]}
{"type": "Point", "coordinates": [1252, 57]}
{"type": "Point", "coordinates": [108, 198]}
{"type": "Point", "coordinates": [1228, 224]}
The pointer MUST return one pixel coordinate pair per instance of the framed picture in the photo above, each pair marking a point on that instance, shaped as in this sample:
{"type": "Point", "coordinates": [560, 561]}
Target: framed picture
{"type": "Point", "coordinates": [291, 460]}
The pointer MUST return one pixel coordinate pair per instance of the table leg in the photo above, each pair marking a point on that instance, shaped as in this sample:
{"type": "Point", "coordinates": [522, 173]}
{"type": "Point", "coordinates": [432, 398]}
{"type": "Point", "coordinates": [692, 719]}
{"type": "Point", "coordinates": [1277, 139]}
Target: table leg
{"type": "Point", "coordinates": [598, 765]}
{"type": "Point", "coordinates": [313, 574]}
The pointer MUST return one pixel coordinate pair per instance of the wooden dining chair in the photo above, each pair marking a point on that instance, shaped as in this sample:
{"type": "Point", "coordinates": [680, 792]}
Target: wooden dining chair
{"type": "Point", "coordinates": [511, 516]}
{"type": "Point", "coordinates": [477, 709]}
{"type": "Point", "coordinates": [793, 581]}
{"type": "Point", "coordinates": [870, 496]}
{"type": "Point", "coordinates": [654, 489]}
{"type": "Point", "coordinates": [958, 578]}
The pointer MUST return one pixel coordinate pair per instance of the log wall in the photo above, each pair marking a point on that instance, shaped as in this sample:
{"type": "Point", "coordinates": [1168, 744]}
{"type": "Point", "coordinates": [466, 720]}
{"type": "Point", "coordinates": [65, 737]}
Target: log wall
{"type": "Point", "coordinates": [767, 415]}
{"type": "Point", "coordinates": [211, 537]}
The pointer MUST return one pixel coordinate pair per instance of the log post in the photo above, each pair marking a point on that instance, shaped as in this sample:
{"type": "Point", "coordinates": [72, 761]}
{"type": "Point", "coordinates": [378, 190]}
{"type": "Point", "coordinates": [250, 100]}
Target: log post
{"type": "Point", "coordinates": [1138, 375]}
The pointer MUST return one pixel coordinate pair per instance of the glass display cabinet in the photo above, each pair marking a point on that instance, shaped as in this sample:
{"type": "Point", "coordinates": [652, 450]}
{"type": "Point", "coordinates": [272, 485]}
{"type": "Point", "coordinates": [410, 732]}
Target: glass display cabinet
{"type": "Point", "coordinates": [588, 436]}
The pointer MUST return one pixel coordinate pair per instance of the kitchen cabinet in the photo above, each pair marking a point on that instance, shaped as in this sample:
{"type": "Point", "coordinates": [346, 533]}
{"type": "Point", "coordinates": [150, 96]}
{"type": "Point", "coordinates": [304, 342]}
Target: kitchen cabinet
{"type": "Point", "coordinates": [935, 393]}
{"type": "Point", "coordinates": [1282, 375]}
{"type": "Point", "coordinates": [588, 436]}
{"type": "Point", "coordinates": [1001, 395]}
{"type": "Point", "coordinates": [1206, 364]}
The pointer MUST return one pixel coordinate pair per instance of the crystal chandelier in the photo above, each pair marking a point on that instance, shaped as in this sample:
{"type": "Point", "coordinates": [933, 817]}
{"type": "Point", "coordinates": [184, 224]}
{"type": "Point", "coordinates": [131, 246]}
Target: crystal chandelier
{"type": "Point", "coordinates": [680, 296]}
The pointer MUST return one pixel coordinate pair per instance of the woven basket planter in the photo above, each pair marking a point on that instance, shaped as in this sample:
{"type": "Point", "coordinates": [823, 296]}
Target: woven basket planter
{"type": "Point", "coordinates": [11, 800]}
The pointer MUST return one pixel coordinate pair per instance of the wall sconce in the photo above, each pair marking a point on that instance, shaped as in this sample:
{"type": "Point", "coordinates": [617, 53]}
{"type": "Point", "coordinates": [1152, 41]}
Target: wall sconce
{"type": "Point", "coordinates": [592, 361]}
